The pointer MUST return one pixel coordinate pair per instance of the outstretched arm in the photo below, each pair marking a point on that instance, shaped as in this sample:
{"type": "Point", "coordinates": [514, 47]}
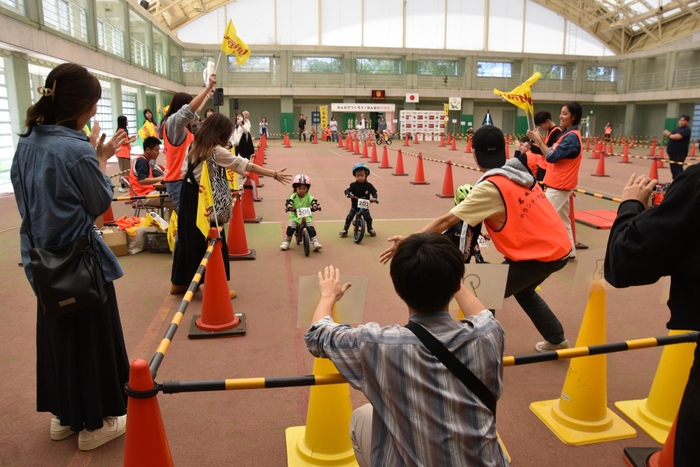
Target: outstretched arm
{"type": "Point", "coordinates": [331, 292]}
{"type": "Point", "coordinates": [438, 225]}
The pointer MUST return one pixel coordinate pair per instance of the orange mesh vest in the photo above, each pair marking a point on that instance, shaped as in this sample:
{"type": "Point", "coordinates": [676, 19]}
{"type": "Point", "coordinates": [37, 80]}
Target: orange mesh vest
{"type": "Point", "coordinates": [563, 174]}
{"type": "Point", "coordinates": [541, 161]}
{"type": "Point", "coordinates": [124, 151]}
{"type": "Point", "coordinates": [533, 229]}
{"type": "Point", "coordinates": [175, 155]}
{"type": "Point", "coordinates": [140, 190]}
{"type": "Point", "coordinates": [532, 161]}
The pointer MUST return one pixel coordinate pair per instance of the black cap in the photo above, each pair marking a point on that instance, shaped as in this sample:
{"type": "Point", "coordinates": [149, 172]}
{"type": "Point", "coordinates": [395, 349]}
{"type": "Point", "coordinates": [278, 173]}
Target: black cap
{"type": "Point", "coordinates": [489, 147]}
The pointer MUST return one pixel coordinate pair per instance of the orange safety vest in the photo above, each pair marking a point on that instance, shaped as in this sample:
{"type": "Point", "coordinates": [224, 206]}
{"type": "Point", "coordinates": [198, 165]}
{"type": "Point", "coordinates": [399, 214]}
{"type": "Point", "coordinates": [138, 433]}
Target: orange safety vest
{"type": "Point", "coordinates": [533, 161]}
{"type": "Point", "coordinates": [533, 229]}
{"type": "Point", "coordinates": [608, 130]}
{"type": "Point", "coordinates": [124, 151]}
{"type": "Point", "coordinates": [140, 190]}
{"type": "Point", "coordinates": [563, 174]}
{"type": "Point", "coordinates": [174, 156]}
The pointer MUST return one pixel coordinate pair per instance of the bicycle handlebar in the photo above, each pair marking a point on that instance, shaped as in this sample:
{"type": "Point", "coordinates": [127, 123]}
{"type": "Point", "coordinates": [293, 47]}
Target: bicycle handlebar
{"type": "Point", "coordinates": [372, 200]}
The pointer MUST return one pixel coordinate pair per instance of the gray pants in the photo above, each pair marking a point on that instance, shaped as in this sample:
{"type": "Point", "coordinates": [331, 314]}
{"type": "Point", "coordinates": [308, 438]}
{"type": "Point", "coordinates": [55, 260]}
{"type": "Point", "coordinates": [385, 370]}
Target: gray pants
{"type": "Point", "coordinates": [174, 189]}
{"type": "Point", "coordinates": [361, 434]}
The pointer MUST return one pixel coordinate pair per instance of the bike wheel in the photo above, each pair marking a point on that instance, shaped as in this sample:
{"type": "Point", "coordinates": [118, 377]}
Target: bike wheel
{"type": "Point", "coordinates": [359, 231]}
{"type": "Point", "coordinates": [307, 242]}
{"type": "Point", "coordinates": [388, 141]}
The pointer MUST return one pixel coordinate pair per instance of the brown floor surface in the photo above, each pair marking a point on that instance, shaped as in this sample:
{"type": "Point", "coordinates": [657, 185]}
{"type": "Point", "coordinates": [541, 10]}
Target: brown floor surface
{"type": "Point", "coordinates": [247, 427]}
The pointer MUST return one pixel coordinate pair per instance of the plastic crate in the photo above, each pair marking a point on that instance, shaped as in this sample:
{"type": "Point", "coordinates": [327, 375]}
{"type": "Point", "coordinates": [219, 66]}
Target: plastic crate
{"type": "Point", "coordinates": [157, 242]}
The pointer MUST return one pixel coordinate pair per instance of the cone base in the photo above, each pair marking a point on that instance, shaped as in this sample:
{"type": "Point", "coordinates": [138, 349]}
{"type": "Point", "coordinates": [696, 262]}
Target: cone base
{"type": "Point", "coordinates": [616, 429]}
{"type": "Point", "coordinates": [636, 410]}
{"type": "Point", "coordinates": [637, 457]}
{"type": "Point", "coordinates": [196, 333]}
{"type": "Point", "coordinates": [400, 175]}
{"type": "Point", "coordinates": [624, 162]}
{"type": "Point", "coordinates": [244, 256]}
{"type": "Point", "coordinates": [388, 167]}
{"type": "Point", "coordinates": [255, 220]}
{"type": "Point", "coordinates": [596, 175]}
{"type": "Point", "coordinates": [298, 458]}
{"type": "Point", "coordinates": [373, 162]}
{"type": "Point", "coordinates": [257, 200]}
{"type": "Point", "coordinates": [440, 195]}
{"type": "Point", "coordinates": [413, 182]}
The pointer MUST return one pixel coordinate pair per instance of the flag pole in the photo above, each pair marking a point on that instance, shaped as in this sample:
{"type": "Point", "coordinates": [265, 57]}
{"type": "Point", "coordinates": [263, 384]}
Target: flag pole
{"type": "Point", "coordinates": [216, 67]}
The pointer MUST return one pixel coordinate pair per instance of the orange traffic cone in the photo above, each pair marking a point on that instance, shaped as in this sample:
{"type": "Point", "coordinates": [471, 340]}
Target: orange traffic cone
{"type": "Point", "coordinates": [314, 138]}
{"type": "Point", "coordinates": [454, 144]}
{"type": "Point", "coordinates": [588, 143]}
{"type": "Point", "coordinates": [405, 141]}
{"type": "Point", "coordinates": [652, 149]}
{"type": "Point", "coordinates": [217, 318]}
{"type": "Point", "coordinates": [692, 150]}
{"type": "Point", "coordinates": [595, 154]}
{"type": "Point", "coordinates": [442, 141]}
{"type": "Point", "coordinates": [660, 160]}
{"type": "Point", "coordinates": [654, 171]}
{"type": "Point", "coordinates": [348, 143]}
{"type": "Point", "coordinates": [145, 441]}
{"type": "Point", "coordinates": [357, 147]}
{"type": "Point", "coordinates": [253, 177]}
{"type": "Point", "coordinates": [600, 170]}
{"type": "Point", "coordinates": [611, 150]}
{"type": "Point", "coordinates": [650, 457]}
{"type": "Point", "coordinates": [248, 206]}
{"type": "Point", "coordinates": [365, 155]}
{"type": "Point", "coordinates": [448, 189]}
{"type": "Point", "coordinates": [507, 151]}
{"type": "Point", "coordinates": [374, 159]}
{"type": "Point", "coordinates": [420, 176]}
{"type": "Point", "coordinates": [287, 142]}
{"type": "Point", "coordinates": [237, 242]}
{"type": "Point", "coordinates": [469, 146]}
{"type": "Point", "coordinates": [340, 141]}
{"type": "Point", "coordinates": [385, 159]}
{"type": "Point", "coordinates": [399, 165]}
{"type": "Point", "coordinates": [625, 154]}
{"type": "Point", "coordinates": [108, 216]}
{"type": "Point", "coordinates": [415, 138]}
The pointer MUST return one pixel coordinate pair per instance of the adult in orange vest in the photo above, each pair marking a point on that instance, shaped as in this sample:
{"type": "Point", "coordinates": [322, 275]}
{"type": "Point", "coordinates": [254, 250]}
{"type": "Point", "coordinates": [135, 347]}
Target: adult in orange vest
{"type": "Point", "coordinates": [564, 158]}
{"type": "Point", "coordinates": [176, 132]}
{"type": "Point", "coordinates": [543, 120]}
{"type": "Point", "coordinates": [515, 212]}
{"type": "Point", "coordinates": [124, 152]}
{"type": "Point", "coordinates": [142, 177]}
{"type": "Point", "coordinates": [531, 158]}
{"type": "Point", "coordinates": [608, 132]}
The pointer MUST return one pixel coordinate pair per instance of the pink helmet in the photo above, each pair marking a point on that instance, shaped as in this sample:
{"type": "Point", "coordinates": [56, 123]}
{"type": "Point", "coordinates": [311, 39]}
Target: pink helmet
{"type": "Point", "coordinates": [301, 179]}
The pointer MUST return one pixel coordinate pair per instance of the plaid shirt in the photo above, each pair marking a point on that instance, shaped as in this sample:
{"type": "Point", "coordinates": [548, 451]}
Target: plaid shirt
{"type": "Point", "coordinates": [423, 414]}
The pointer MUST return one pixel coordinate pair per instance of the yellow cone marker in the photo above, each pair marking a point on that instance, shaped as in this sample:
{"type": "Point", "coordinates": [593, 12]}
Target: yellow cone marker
{"type": "Point", "coordinates": [580, 415]}
{"type": "Point", "coordinates": [656, 413]}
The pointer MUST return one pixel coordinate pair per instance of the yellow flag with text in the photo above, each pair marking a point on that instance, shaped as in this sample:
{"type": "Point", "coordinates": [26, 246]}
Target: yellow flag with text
{"type": "Point", "coordinates": [205, 202]}
{"type": "Point", "coordinates": [521, 95]}
{"type": "Point", "coordinates": [232, 44]}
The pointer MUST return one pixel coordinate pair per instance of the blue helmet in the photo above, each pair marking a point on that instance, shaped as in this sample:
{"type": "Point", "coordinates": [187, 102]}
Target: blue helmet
{"type": "Point", "coordinates": [358, 166]}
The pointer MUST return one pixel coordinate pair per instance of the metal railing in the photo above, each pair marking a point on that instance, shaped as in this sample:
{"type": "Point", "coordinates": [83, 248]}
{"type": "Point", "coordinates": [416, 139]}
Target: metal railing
{"type": "Point", "coordinates": [66, 17]}
{"type": "Point", "coordinates": [139, 53]}
{"type": "Point", "coordinates": [160, 63]}
{"type": "Point", "coordinates": [109, 38]}
{"type": "Point", "coordinates": [687, 77]}
{"type": "Point", "coordinates": [647, 81]}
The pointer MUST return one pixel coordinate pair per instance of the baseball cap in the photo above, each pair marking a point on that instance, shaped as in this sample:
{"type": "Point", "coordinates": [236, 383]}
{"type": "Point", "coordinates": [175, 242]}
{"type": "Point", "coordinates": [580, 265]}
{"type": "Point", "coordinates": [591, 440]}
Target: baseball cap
{"type": "Point", "coordinates": [489, 147]}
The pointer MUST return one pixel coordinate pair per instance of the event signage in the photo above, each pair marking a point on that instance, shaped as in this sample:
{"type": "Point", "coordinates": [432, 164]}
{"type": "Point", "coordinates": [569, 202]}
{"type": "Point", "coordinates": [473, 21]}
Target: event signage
{"type": "Point", "coordinates": [357, 107]}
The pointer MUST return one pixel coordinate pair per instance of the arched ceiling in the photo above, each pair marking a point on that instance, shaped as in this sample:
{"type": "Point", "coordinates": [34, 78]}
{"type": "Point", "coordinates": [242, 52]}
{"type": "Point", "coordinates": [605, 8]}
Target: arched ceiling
{"type": "Point", "coordinates": [624, 26]}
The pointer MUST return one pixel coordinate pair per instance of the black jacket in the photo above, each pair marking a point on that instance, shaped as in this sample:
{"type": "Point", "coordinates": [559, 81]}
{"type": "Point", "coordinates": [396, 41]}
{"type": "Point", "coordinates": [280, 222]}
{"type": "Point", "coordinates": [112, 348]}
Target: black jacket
{"type": "Point", "coordinates": [361, 190]}
{"type": "Point", "coordinates": [645, 245]}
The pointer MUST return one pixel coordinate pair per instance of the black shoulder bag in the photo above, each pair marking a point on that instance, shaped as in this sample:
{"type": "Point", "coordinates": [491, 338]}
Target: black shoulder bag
{"type": "Point", "coordinates": [67, 278]}
{"type": "Point", "coordinates": [453, 364]}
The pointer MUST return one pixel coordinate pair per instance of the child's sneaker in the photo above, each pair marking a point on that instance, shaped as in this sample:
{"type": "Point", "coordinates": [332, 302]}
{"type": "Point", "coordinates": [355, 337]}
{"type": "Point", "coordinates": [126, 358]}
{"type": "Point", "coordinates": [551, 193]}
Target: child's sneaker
{"type": "Point", "coordinates": [344, 233]}
{"type": "Point", "coordinates": [372, 232]}
{"type": "Point", "coordinates": [285, 245]}
{"type": "Point", "coordinates": [317, 246]}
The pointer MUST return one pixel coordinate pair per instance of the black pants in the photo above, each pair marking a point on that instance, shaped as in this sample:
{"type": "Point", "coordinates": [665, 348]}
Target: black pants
{"type": "Point", "coordinates": [351, 215]}
{"type": "Point", "coordinates": [687, 449]}
{"type": "Point", "coordinates": [523, 279]}
{"type": "Point", "coordinates": [302, 134]}
{"type": "Point", "coordinates": [677, 169]}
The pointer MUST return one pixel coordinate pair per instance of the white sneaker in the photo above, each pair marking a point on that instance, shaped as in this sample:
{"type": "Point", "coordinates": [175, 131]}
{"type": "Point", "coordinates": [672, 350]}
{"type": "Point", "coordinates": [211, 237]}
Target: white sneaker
{"type": "Point", "coordinates": [59, 432]}
{"type": "Point", "coordinates": [317, 246]}
{"type": "Point", "coordinates": [548, 347]}
{"type": "Point", "coordinates": [113, 428]}
{"type": "Point", "coordinates": [285, 245]}
{"type": "Point", "coordinates": [123, 190]}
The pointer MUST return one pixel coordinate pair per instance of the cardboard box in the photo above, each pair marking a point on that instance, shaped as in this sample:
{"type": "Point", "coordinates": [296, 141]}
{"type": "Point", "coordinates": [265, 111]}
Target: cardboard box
{"type": "Point", "coordinates": [115, 240]}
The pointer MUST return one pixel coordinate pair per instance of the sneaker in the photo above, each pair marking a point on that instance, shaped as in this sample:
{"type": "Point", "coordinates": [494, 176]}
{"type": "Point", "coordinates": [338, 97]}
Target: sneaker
{"type": "Point", "coordinates": [372, 232]}
{"type": "Point", "coordinates": [285, 245]}
{"type": "Point", "coordinates": [113, 428]}
{"type": "Point", "coordinates": [344, 233]}
{"type": "Point", "coordinates": [548, 347]}
{"type": "Point", "coordinates": [123, 190]}
{"type": "Point", "coordinates": [178, 289]}
{"type": "Point", "coordinates": [317, 246]}
{"type": "Point", "coordinates": [59, 432]}
{"type": "Point", "coordinates": [232, 293]}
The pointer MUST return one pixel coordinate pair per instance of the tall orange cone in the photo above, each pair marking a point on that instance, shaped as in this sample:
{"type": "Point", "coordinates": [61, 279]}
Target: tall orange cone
{"type": "Point", "coordinates": [507, 151]}
{"type": "Point", "coordinates": [572, 221]}
{"type": "Point", "coordinates": [652, 149]}
{"type": "Point", "coordinates": [314, 138]}
{"type": "Point", "coordinates": [654, 171]}
{"type": "Point", "coordinates": [588, 143]}
{"type": "Point", "coordinates": [442, 141]}
{"type": "Point", "coordinates": [385, 159]}
{"type": "Point", "coordinates": [415, 138]}
{"type": "Point", "coordinates": [448, 189]}
{"type": "Point", "coordinates": [374, 159]}
{"type": "Point", "coordinates": [287, 141]}
{"type": "Point", "coordinates": [419, 179]}
{"type": "Point", "coordinates": [405, 141]}
{"type": "Point", "coordinates": [596, 148]}
{"type": "Point", "coordinates": [108, 216]}
{"type": "Point", "coordinates": [580, 415]}
{"type": "Point", "coordinates": [237, 242]}
{"type": "Point", "coordinates": [469, 146]}
{"type": "Point", "coordinates": [454, 144]}
{"type": "Point", "coordinates": [249, 215]}
{"type": "Point", "coordinates": [217, 318]}
{"type": "Point", "coordinates": [399, 165]}
{"type": "Point", "coordinates": [145, 441]}
{"type": "Point", "coordinates": [600, 170]}
{"type": "Point", "coordinates": [357, 147]}
{"type": "Point", "coordinates": [340, 141]}
{"type": "Point", "coordinates": [365, 154]}
{"type": "Point", "coordinates": [660, 160]}
{"type": "Point", "coordinates": [611, 150]}
{"type": "Point", "coordinates": [625, 154]}
{"type": "Point", "coordinates": [650, 457]}
{"type": "Point", "coordinates": [253, 177]}
{"type": "Point", "coordinates": [692, 150]}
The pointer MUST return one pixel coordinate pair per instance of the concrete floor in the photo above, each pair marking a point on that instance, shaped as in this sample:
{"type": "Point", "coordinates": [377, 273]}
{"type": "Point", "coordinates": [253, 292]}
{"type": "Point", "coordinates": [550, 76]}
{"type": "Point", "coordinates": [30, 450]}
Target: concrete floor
{"type": "Point", "coordinates": [247, 427]}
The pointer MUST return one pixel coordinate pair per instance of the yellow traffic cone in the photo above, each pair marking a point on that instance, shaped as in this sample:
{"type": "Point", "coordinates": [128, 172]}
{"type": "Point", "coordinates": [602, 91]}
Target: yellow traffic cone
{"type": "Point", "coordinates": [580, 415]}
{"type": "Point", "coordinates": [656, 413]}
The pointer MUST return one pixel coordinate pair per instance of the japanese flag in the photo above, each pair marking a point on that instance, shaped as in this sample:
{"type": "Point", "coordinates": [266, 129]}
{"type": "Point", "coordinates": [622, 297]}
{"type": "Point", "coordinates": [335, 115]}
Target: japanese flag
{"type": "Point", "coordinates": [411, 97]}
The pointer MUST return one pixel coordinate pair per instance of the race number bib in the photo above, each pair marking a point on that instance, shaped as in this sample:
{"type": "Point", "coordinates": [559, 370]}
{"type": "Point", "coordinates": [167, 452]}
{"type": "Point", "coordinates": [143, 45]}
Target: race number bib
{"type": "Point", "coordinates": [363, 204]}
{"type": "Point", "coordinates": [303, 212]}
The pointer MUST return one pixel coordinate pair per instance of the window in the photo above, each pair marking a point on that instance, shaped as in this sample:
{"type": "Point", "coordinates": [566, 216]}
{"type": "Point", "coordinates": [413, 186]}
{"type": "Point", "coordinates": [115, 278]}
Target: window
{"type": "Point", "coordinates": [252, 65]}
{"type": "Point", "coordinates": [110, 26]}
{"type": "Point", "coordinates": [494, 70]}
{"type": "Point", "coordinates": [438, 67]}
{"type": "Point", "coordinates": [16, 5]}
{"type": "Point", "coordinates": [160, 52]}
{"type": "Point", "coordinates": [551, 71]}
{"type": "Point", "coordinates": [129, 108]}
{"type": "Point", "coordinates": [176, 61]}
{"type": "Point", "coordinates": [37, 77]}
{"type": "Point", "coordinates": [67, 16]}
{"type": "Point", "coordinates": [385, 66]}
{"type": "Point", "coordinates": [140, 40]}
{"type": "Point", "coordinates": [193, 64]}
{"type": "Point", "coordinates": [317, 65]}
{"type": "Point", "coordinates": [104, 110]}
{"type": "Point", "coordinates": [6, 146]}
{"type": "Point", "coordinates": [602, 73]}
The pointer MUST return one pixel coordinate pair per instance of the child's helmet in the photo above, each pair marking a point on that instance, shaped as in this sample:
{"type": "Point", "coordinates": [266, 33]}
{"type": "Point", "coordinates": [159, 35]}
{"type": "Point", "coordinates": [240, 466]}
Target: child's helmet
{"type": "Point", "coordinates": [359, 166]}
{"type": "Point", "coordinates": [462, 193]}
{"type": "Point", "coordinates": [301, 179]}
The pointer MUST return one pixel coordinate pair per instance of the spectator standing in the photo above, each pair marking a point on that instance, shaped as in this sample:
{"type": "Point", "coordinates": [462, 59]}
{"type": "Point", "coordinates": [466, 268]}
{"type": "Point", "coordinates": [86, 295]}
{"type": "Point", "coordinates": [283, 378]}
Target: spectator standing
{"type": "Point", "coordinates": [543, 120]}
{"type": "Point", "coordinates": [333, 124]}
{"type": "Point", "coordinates": [150, 127]}
{"type": "Point", "coordinates": [60, 187]}
{"type": "Point", "coordinates": [302, 128]}
{"type": "Point", "coordinates": [607, 132]}
{"type": "Point", "coordinates": [242, 139]}
{"type": "Point", "coordinates": [124, 151]}
{"type": "Point", "coordinates": [262, 128]}
{"type": "Point", "coordinates": [678, 142]}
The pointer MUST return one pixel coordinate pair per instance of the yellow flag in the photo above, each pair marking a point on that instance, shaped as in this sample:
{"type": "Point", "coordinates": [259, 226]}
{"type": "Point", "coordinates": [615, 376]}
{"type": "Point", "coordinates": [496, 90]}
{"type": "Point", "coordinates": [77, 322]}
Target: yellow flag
{"type": "Point", "coordinates": [232, 44]}
{"type": "Point", "coordinates": [521, 95]}
{"type": "Point", "coordinates": [206, 201]}
{"type": "Point", "coordinates": [172, 230]}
